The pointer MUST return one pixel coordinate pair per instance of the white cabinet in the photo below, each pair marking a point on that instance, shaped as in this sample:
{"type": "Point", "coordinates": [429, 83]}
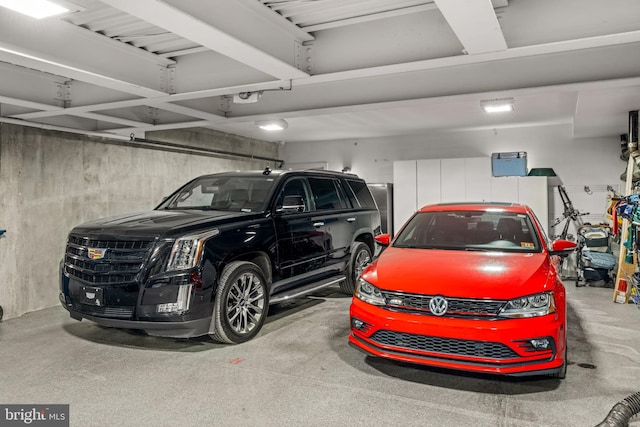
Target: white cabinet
{"type": "Point", "coordinates": [405, 191]}
{"type": "Point", "coordinates": [422, 182]}
{"type": "Point", "coordinates": [417, 183]}
{"type": "Point", "coordinates": [534, 192]}
{"type": "Point", "coordinates": [504, 189]}
{"type": "Point", "coordinates": [454, 181]}
{"type": "Point", "coordinates": [428, 182]}
{"type": "Point", "coordinates": [477, 179]}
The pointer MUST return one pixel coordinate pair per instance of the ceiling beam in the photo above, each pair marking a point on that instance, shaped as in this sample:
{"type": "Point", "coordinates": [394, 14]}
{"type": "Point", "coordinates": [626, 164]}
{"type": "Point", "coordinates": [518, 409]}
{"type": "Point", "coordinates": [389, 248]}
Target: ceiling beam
{"type": "Point", "coordinates": [164, 100]}
{"type": "Point", "coordinates": [276, 18]}
{"type": "Point", "coordinates": [54, 110]}
{"type": "Point", "coordinates": [56, 47]}
{"type": "Point", "coordinates": [475, 24]}
{"type": "Point", "coordinates": [111, 119]}
{"type": "Point", "coordinates": [27, 104]}
{"type": "Point", "coordinates": [168, 17]}
{"type": "Point", "coordinates": [370, 17]}
{"type": "Point", "coordinates": [453, 61]}
{"type": "Point", "coordinates": [64, 129]}
{"type": "Point", "coordinates": [38, 61]}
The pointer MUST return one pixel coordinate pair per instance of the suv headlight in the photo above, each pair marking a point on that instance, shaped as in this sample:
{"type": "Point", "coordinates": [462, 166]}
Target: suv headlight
{"type": "Point", "coordinates": [369, 293]}
{"type": "Point", "coordinates": [531, 306]}
{"type": "Point", "coordinates": [187, 250]}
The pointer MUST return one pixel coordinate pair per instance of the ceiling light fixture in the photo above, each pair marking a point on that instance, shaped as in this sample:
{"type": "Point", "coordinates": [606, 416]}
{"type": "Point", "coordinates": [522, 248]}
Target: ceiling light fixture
{"type": "Point", "coordinates": [273, 125]}
{"type": "Point", "coordinates": [35, 8]}
{"type": "Point", "coordinates": [497, 105]}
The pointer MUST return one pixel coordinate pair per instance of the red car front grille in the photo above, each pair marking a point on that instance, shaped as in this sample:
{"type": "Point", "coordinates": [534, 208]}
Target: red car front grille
{"type": "Point", "coordinates": [459, 307]}
{"type": "Point", "coordinates": [480, 349]}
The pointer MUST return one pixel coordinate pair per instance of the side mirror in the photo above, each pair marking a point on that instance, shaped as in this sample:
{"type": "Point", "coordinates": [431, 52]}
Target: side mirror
{"type": "Point", "coordinates": [383, 239]}
{"type": "Point", "coordinates": [292, 204]}
{"type": "Point", "coordinates": [562, 248]}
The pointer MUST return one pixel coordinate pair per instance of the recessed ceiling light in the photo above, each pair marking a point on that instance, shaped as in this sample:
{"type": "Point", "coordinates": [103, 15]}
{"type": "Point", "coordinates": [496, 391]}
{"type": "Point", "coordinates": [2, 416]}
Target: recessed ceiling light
{"type": "Point", "coordinates": [497, 105]}
{"type": "Point", "coordinates": [273, 125]}
{"type": "Point", "coordinates": [35, 8]}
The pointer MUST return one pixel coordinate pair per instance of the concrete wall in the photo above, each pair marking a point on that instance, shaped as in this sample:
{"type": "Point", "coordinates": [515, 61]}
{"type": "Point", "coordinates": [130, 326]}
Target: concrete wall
{"type": "Point", "coordinates": [52, 181]}
{"type": "Point", "coordinates": [594, 162]}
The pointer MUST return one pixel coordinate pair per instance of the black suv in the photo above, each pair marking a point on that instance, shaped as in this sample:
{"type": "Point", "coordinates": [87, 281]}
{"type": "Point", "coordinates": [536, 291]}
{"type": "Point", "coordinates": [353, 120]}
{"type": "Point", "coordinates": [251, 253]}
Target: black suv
{"type": "Point", "coordinates": [213, 255]}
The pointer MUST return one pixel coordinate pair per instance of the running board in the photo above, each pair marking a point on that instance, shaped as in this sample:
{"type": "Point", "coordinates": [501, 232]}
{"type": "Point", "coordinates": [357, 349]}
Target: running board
{"type": "Point", "coordinates": [298, 292]}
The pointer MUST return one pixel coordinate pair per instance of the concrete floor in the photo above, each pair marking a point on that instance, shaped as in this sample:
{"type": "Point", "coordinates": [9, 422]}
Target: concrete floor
{"type": "Point", "coordinates": [300, 371]}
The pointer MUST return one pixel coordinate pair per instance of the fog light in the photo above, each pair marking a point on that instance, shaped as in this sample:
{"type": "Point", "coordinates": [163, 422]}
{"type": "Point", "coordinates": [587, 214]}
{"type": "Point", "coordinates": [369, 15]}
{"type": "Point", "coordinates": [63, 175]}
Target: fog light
{"type": "Point", "coordinates": [540, 344]}
{"type": "Point", "coordinates": [359, 324]}
{"type": "Point", "coordinates": [181, 304]}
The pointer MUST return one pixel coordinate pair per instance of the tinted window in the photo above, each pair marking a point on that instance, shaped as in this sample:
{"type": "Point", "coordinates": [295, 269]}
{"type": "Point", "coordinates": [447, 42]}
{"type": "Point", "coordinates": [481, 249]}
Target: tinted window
{"type": "Point", "coordinates": [233, 193]}
{"type": "Point", "coordinates": [468, 230]}
{"type": "Point", "coordinates": [295, 187]}
{"type": "Point", "coordinates": [361, 194]}
{"type": "Point", "coordinates": [326, 194]}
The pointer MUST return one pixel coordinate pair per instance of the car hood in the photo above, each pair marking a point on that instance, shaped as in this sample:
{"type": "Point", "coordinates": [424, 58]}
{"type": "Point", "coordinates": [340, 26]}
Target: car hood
{"type": "Point", "coordinates": [160, 223]}
{"type": "Point", "coordinates": [493, 275]}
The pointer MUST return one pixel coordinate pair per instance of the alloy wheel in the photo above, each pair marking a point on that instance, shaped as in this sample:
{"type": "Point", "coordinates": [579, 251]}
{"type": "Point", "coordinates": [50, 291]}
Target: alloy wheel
{"type": "Point", "coordinates": [245, 303]}
{"type": "Point", "coordinates": [361, 262]}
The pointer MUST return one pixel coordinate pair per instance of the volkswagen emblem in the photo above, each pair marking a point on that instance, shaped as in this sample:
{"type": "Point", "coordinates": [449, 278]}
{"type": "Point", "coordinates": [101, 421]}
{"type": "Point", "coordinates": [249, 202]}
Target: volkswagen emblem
{"type": "Point", "coordinates": [438, 305]}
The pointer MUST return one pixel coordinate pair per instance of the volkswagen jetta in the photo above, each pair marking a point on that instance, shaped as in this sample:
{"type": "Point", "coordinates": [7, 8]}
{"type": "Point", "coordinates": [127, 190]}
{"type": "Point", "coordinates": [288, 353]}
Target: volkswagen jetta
{"type": "Point", "coordinates": [472, 287]}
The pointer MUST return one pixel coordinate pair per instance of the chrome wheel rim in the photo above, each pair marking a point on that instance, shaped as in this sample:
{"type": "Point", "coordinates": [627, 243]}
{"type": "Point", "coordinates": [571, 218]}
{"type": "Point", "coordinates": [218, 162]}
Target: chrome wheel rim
{"type": "Point", "coordinates": [245, 303]}
{"type": "Point", "coordinates": [362, 260]}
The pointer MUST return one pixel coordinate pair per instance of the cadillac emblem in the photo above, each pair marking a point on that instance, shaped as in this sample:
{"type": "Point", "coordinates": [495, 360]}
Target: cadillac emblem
{"type": "Point", "coordinates": [95, 253]}
{"type": "Point", "coordinates": [438, 305]}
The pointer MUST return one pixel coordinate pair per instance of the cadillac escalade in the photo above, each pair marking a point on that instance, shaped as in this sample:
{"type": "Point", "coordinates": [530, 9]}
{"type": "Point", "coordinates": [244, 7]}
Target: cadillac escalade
{"type": "Point", "coordinates": [214, 254]}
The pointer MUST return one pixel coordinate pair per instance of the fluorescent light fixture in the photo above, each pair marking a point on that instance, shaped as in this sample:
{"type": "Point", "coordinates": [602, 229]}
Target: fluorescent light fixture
{"type": "Point", "coordinates": [273, 125]}
{"type": "Point", "coordinates": [497, 105]}
{"type": "Point", "coordinates": [35, 8]}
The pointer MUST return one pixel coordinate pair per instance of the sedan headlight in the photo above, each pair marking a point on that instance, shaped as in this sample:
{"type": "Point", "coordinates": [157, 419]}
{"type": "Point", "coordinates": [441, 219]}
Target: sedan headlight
{"type": "Point", "coordinates": [187, 250]}
{"type": "Point", "coordinates": [531, 306]}
{"type": "Point", "coordinates": [369, 293]}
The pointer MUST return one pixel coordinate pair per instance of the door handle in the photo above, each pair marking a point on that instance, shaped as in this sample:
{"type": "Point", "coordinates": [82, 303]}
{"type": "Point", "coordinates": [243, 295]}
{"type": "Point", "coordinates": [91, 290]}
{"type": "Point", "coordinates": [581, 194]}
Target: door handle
{"type": "Point", "coordinates": [318, 224]}
{"type": "Point", "coordinates": [351, 219]}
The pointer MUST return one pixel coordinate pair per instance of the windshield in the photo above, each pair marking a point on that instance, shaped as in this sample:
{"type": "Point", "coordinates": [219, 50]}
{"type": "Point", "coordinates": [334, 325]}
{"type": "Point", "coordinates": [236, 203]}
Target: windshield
{"type": "Point", "coordinates": [226, 193]}
{"type": "Point", "coordinates": [470, 230]}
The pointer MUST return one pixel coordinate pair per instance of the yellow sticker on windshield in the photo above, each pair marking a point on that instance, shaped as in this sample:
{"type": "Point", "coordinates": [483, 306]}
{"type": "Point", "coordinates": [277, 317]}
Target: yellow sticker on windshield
{"type": "Point", "coordinates": [527, 245]}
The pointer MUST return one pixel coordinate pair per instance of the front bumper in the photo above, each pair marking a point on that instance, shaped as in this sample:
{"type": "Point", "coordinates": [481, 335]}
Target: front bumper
{"type": "Point", "coordinates": [182, 329]}
{"type": "Point", "coordinates": [486, 346]}
{"type": "Point", "coordinates": [121, 308]}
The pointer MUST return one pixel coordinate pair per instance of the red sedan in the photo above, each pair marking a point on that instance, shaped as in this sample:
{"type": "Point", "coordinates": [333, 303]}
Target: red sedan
{"type": "Point", "coordinates": [473, 287]}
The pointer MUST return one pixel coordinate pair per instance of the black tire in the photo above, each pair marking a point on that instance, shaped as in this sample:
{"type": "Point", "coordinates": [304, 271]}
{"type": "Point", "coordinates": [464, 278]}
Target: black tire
{"type": "Point", "coordinates": [242, 303]}
{"type": "Point", "coordinates": [360, 258]}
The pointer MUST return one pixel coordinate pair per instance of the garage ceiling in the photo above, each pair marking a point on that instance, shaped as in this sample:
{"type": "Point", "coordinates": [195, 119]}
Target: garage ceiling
{"type": "Point", "coordinates": [333, 69]}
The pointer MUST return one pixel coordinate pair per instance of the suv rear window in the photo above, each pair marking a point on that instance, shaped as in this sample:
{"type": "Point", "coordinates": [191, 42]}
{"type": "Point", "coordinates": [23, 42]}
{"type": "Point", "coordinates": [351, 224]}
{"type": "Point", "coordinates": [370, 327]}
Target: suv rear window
{"type": "Point", "coordinates": [360, 195]}
{"type": "Point", "coordinates": [326, 194]}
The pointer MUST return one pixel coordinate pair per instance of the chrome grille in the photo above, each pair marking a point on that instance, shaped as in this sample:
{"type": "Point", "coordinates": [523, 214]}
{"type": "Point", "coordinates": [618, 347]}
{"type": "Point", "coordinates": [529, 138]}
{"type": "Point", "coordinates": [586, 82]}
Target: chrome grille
{"type": "Point", "coordinates": [122, 262]}
{"type": "Point", "coordinates": [483, 349]}
{"type": "Point", "coordinates": [460, 307]}
{"type": "Point", "coordinates": [109, 244]}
